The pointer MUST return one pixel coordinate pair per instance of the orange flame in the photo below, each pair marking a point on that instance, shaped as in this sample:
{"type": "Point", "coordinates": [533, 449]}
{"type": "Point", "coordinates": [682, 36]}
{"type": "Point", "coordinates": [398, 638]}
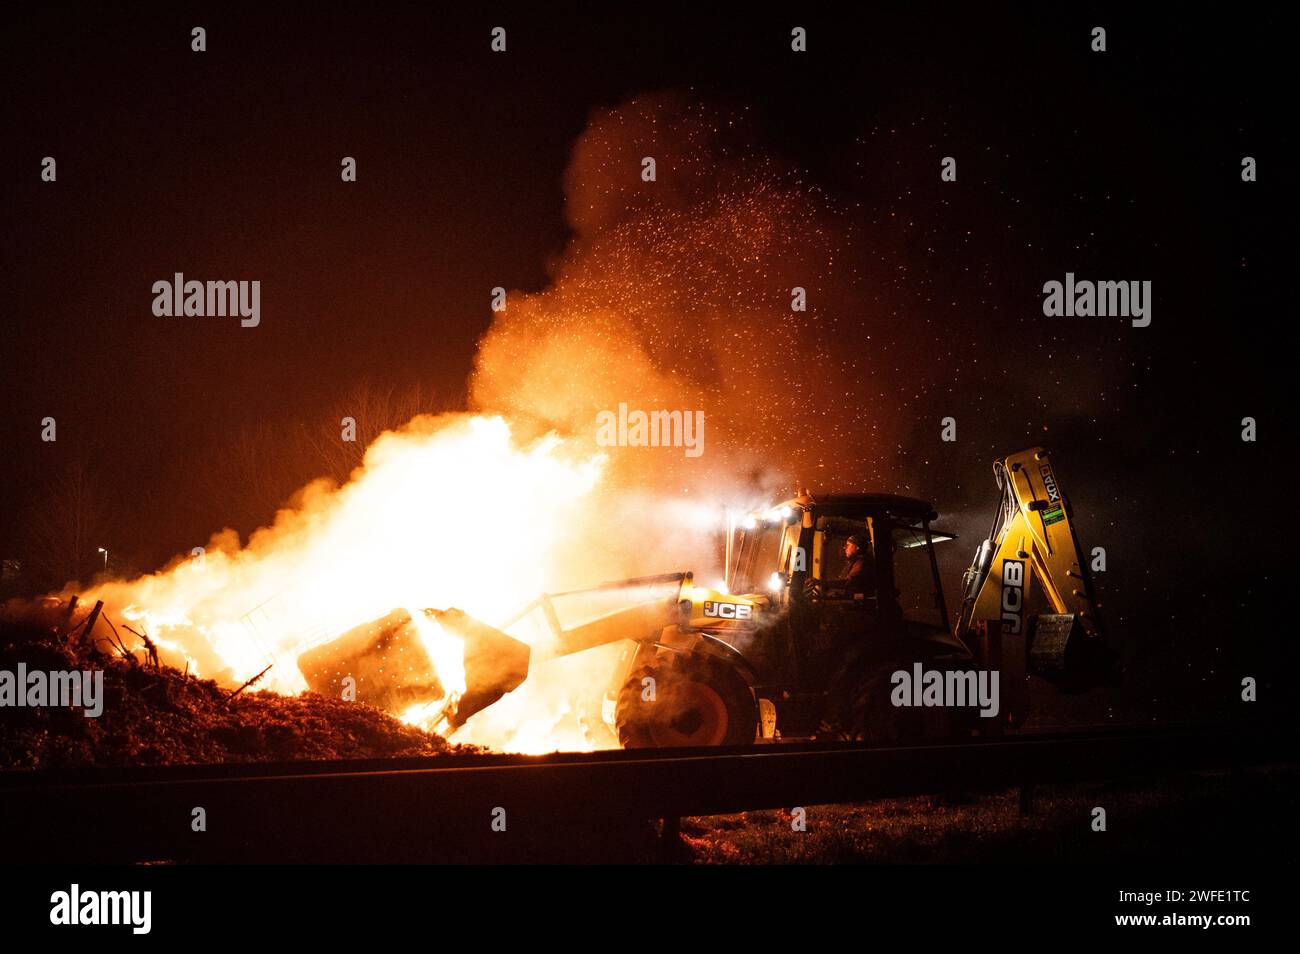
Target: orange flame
{"type": "Point", "coordinates": [447, 511]}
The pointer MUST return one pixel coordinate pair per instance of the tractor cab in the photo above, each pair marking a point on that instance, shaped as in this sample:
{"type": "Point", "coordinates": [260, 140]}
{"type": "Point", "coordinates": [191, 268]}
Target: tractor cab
{"type": "Point", "coordinates": [796, 552]}
{"type": "Point", "coordinates": [811, 602]}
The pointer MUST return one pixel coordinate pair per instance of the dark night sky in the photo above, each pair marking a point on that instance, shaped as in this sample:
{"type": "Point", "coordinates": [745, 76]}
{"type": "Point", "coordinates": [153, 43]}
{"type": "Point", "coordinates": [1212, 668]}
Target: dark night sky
{"type": "Point", "coordinates": [225, 165]}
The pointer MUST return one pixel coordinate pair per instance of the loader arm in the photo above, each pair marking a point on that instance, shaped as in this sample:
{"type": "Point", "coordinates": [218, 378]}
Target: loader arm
{"type": "Point", "coordinates": [642, 608]}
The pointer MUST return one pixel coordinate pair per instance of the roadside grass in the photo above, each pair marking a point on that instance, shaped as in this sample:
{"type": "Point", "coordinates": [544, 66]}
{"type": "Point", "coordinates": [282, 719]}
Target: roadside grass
{"type": "Point", "coordinates": [1242, 816]}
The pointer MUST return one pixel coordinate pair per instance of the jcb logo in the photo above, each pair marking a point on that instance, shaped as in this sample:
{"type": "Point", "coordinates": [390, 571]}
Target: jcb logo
{"type": "Point", "coordinates": [1013, 594]}
{"type": "Point", "coordinates": [728, 610]}
{"type": "Point", "coordinates": [1049, 483]}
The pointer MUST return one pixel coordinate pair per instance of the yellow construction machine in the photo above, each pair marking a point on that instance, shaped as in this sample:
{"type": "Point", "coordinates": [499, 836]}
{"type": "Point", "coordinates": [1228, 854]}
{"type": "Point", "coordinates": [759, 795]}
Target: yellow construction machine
{"type": "Point", "coordinates": [791, 644]}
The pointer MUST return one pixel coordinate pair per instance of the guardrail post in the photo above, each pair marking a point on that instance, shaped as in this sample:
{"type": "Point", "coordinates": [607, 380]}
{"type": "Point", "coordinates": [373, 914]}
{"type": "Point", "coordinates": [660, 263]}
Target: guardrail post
{"type": "Point", "coordinates": [1026, 798]}
{"type": "Point", "coordinates": [670, 840]}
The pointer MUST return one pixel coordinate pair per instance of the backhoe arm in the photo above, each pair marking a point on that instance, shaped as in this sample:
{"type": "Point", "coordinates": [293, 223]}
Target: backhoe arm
{"type": "Point", "coordinates": [1033, 541]}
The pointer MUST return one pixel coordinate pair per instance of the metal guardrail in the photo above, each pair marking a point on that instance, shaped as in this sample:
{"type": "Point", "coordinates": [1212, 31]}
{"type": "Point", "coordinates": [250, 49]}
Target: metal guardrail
{"type": "Point", "coordinates": [444, 809]}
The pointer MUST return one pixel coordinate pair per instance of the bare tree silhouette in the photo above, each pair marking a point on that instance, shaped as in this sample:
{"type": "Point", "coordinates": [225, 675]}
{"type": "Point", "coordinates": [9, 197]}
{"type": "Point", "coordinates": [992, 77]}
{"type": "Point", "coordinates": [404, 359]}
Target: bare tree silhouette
{"type": "Point", "coordinates": [375, 409]}
{"type": "Point", "coordinates": [66, 525]}
{"type": "Point", "coordinates": [256, 471]}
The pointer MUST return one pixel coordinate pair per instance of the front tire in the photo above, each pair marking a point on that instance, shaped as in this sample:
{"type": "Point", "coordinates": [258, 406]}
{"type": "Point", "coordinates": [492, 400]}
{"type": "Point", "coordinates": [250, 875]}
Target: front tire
{"type": "Point", "coordinates": [696, 700]}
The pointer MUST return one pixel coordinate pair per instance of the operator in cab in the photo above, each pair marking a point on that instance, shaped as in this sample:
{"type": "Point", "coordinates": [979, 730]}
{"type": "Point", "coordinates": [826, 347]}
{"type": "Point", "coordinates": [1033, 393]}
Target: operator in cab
{"type": "Point", "coordinates": [858, 575]}
{"type": "Point", "coordinates": [850, 650]}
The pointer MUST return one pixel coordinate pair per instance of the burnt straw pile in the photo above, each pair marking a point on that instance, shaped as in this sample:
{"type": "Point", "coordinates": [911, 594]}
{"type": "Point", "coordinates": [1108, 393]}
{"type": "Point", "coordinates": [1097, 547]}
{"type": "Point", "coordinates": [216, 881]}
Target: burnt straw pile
{"type": "Point", "coordinates": [151, 714]}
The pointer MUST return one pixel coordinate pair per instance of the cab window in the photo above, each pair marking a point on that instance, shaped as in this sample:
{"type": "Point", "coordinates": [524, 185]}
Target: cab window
{"type": "Point", "coordinates": [758, 557]}
{"type": "Point", "coordinates": [914, 576]}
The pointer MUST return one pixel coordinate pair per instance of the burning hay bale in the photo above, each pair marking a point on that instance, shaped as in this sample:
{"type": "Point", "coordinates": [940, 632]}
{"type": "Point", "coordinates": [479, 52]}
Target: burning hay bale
{"type": "Point", "coordinates": [160, 716]}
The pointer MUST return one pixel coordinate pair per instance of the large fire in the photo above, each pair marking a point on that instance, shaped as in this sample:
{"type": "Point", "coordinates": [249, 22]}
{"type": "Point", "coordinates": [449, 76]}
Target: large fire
{"type": "Point", "coordinates": [447, 511]}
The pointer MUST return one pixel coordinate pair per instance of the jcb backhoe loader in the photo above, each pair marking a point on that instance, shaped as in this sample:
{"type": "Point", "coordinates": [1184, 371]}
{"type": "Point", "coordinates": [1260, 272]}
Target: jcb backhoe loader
{"type": "Point", "coordinates": [784, 647]}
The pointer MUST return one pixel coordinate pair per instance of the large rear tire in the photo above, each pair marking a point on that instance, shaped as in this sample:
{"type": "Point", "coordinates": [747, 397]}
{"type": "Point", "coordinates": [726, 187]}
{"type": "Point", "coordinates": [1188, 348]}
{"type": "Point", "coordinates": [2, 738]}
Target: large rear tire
{"type": "Point", "coordinates": [696, 700]}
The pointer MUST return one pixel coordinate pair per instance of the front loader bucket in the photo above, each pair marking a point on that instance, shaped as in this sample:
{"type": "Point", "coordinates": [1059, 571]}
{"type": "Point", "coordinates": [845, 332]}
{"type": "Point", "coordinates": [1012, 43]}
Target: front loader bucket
{"type": "Point", "coordinates": [390, 669]}
{"type": "Point", "coordinates": [494, 662]}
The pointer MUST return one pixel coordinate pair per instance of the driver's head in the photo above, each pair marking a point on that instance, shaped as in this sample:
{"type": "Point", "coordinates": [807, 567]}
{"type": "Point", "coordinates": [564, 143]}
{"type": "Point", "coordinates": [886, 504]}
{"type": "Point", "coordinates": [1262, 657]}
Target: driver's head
{"type": "Point", "coordinates": [852, 546]}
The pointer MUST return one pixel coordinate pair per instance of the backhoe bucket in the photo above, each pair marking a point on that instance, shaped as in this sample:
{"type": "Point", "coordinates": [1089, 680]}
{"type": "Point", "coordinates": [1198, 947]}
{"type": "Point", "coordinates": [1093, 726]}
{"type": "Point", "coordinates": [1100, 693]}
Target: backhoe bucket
{"type": "Point", "coordinates": [1062, 653]}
